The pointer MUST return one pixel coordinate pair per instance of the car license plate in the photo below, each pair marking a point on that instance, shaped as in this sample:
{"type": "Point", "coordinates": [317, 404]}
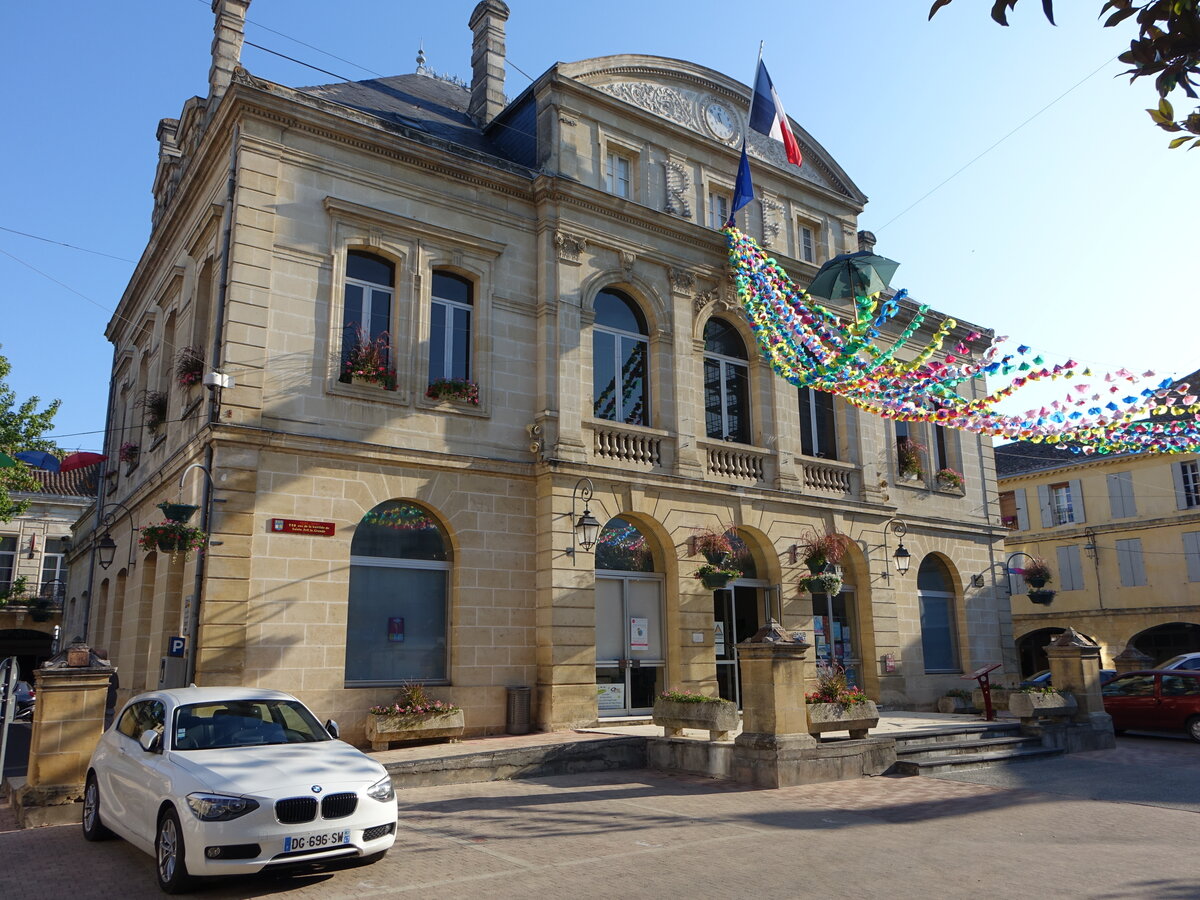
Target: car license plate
{"type": "Point", "coordinates": [317, 841]}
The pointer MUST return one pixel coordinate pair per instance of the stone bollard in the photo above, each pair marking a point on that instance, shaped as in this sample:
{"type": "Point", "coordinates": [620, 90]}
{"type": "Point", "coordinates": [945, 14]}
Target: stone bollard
{"type": "Point", "coordinates": [1075, 667]}
{"type": "Point", "coordinates": [68, 720]}
{"type": "Point", "coordinates": [1132, 660]}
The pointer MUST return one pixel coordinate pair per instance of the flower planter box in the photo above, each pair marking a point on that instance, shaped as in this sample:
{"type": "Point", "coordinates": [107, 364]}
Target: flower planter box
{"type": "Point", "coordinates": [954, 705]}
{"type": "Point", "coordinates": [717, 718]}
{"type": "Point", "coordinates": [999, 698]}
{"type": "Point", "coordinates": [857, 718]}
{"type": "Point", "coordinates": [1031, 705]}
{"type": "Point", "coordinates": [382, 730]}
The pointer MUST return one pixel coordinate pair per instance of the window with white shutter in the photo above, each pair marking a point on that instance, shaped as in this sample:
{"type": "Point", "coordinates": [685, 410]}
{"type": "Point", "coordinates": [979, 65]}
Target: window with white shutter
{"type": "Point", "coordinates": [1129, 561]}
{"type": "Point", "coordinates": [1187, 484]}
{"type": "Point", "coordinates": [1070, 569]}
{"type": "Point", "coordinates": [1191, 552]}
{"type": "Point", "coordinates": [1120, 495]}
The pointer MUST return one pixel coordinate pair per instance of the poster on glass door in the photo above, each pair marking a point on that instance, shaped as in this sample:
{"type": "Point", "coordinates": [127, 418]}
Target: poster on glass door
{"type": "Point", "coordinates": [639, 633]}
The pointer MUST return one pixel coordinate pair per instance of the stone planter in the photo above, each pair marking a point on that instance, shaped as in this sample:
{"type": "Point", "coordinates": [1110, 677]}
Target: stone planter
{"type": "Point", "coordinates": [382, 730]}
{"type": "Point", "coordinates": [1035, 704]}
{"type": "Point", "coordinates": [718, 718]}
{"type": "Point", "coordinates": [999, 698]}
{"type": "Point", "coordinates": [856, 719]}
{"type": "Point", "coordinates": [954, 705]}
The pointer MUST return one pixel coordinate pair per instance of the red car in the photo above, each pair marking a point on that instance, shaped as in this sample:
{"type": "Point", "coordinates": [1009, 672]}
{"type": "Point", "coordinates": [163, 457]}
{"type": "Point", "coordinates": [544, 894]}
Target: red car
{"type": "Point", "coordinates": [1160, 700]}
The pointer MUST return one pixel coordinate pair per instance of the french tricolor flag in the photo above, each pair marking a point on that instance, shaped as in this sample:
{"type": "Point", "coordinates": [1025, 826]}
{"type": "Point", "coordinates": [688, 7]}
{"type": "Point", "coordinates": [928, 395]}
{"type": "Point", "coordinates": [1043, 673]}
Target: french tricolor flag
{"type": "Point", "coordinates": [767, 115]}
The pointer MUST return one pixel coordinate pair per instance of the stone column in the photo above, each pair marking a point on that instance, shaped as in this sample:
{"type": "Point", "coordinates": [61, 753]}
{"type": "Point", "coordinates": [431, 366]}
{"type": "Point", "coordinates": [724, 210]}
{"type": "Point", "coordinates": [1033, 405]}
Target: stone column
{"type": "Point", "coordinates": [67, 722]}
{"type": "Point", "coordinates": [1132, 660]}
{"type": "Point", "coordinates": [774, 667]}
{"type": "Point", "coordinates": [1075, 667]}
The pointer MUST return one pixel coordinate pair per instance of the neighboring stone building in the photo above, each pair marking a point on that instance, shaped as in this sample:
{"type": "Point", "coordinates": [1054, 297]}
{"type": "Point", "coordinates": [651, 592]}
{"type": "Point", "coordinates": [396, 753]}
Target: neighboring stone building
{"type": "Point", "coordinates": [1122, 537]}
{"type": "Point", "coordinates": [560, 253]}
{"type": "Point", "coordinates": [33, 563]}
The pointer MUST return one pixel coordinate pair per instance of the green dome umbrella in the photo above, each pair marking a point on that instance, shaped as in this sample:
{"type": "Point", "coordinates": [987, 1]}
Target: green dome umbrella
{"type": "Point", "coordinates": [851, 275]}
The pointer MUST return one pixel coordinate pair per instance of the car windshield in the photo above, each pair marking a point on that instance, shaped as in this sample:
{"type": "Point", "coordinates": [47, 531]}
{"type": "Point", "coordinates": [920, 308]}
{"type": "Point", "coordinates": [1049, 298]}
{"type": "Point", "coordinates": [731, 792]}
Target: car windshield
{"type": "Point", "coordinates": [244, 723]}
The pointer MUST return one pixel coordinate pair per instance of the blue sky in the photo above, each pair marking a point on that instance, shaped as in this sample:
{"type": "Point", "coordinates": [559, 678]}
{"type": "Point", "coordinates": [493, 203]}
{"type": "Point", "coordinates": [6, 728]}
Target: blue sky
{"type": "Point", "coordinates": [1074, 234]}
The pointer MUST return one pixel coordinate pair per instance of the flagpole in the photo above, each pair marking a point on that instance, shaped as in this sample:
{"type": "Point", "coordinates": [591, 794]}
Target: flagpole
{"type": "Point", "coordinates": [750, 105]}
{"type": "Point", "coordinates": [744, 161]}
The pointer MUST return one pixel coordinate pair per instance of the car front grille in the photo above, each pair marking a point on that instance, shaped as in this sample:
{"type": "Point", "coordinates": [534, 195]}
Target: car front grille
{"type": "Point", "coordinates": [338, 806]}
{"type": "Point", "coordinates": [294, 810]}
{"type": "Point", "coordinates": [373, 834]}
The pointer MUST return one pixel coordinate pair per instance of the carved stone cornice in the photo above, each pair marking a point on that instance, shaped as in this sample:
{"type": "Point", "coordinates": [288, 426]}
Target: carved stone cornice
{"type": "Point", "coordinates": [570, 246]}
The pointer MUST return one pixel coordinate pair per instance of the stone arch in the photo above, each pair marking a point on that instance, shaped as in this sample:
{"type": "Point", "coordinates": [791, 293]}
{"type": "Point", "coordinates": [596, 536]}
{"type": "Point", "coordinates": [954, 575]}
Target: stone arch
{"type": "Point", "coordinates": [30, 645]}
{"type": "Point", "coordinates": [1166, 639]}
{"type": "Point", "coordinates": [658, 311]}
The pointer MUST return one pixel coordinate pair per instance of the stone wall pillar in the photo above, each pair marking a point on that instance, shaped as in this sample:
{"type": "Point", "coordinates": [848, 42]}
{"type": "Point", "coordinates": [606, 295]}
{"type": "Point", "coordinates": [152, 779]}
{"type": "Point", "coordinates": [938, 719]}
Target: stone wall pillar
{"type": "Point", "coordinates": [1075, 667]}
{"type": "Point", "coordinates": [67, 722]}
{"type": "Point", "coordinates": [1132, 660]}
{"type": "Point", "coordinates": [774, 669]}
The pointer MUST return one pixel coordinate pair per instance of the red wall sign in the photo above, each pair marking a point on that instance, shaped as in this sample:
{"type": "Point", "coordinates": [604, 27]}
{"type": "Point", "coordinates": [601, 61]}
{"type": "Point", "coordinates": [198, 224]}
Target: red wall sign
{"type": "Point", "coordinates": [301, 526]}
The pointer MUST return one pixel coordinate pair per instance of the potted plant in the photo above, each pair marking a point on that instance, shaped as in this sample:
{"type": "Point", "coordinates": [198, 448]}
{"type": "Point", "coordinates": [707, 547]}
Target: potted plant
{"type": "Point", "coordinates": [129, 452]}
{"type": "Point", "coordinates": [368, 360]}
{"type": "Point", "coordinates": [172, 537]}
{"type": "Point", "coordinates": [714, 546]}
{"type": "Point", "coordinates": [836, 705]}
{"type": "Point", "coordinates": [1041, 596]}
{"type": "Point", "coordinates": [955, 700]}
{"type": "Point", "coordinates": [677, 710]}
{"type": "Point", "coordinates": [1041, 700]}
{"type": "Point", "coordinates": [715, 577]}
{"type": "Point", "coordinates": [821, 550]}
{"type": "Point", "coordinates": [463, 389]}
{"type": "Point", "coordinates": [822, 583]}
{"type": "Point", "coordinates": [950, 479]}
{"type": "Point", "coordinates": [1037, 573]}
{"type": "Point", "coordinates": [41, 609]}
{"type": "Point", "coordinates": [177, 512]}
{"type": "Point", "coordinates": [189, 366]}
{"type": "Point", "coordinates": [154, 409]}
{"type": "Point", "coordinates": [413, 716]}
{"type": "Point", "coordinates": [909, 458]}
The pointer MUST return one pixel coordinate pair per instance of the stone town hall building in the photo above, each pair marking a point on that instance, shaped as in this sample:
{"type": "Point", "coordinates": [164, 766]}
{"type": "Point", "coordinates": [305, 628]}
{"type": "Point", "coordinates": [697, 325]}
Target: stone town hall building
{"type": "Point", "coordinates": [560, 251]}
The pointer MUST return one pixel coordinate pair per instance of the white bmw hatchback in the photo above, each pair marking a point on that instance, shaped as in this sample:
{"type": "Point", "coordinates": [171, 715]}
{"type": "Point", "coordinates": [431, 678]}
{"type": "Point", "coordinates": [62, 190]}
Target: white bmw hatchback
{"type": "Point", "coordinates": [221, 781]}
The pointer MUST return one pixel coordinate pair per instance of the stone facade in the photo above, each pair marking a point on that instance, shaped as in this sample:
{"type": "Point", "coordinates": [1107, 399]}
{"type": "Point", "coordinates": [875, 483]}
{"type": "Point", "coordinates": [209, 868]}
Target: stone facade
{"type": "Point", "coordinates": [248, 261]}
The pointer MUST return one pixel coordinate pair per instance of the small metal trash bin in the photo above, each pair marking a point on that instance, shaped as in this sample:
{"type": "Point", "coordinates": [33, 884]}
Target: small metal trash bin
{"type": "Point", "coordinates": [518, 710]}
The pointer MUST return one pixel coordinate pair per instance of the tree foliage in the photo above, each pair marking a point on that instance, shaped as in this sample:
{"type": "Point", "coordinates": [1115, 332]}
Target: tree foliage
{"type": "Point", "coordinates": [21, 428]}
{"type": "Point", "coordinates": [1166, 49]}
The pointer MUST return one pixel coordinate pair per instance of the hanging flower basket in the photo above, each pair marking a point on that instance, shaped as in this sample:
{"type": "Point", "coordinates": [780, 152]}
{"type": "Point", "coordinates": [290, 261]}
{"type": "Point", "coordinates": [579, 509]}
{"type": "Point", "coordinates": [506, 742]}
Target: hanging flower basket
{"type": "Point", "coordinates": [189, 366]}
{"type": "Point", "coordinates": [172, 537]}
{"type": "Point", "coordinates": [177, 512]}
{"type": "Point", "coordinates": [824, 583]}
{"type": "Point", "coordinates": [820, 550]}
{"type": "Point", "coordinates": [716, 577]}
{"type": "Point", "coordinates": [1037, 574]}
{"type": "Point", "coordinates": [713, 546]}
{"type": "Point", "coordinates": [1041, 596]}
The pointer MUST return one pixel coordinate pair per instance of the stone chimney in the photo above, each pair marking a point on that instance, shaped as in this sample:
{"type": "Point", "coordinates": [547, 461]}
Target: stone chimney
{"type": "Point", "coordinates": [866, 241]}
{"type": "Point", "coordinates": [229, 29]}
{"type": "Point", "coordinates": [487, 60]}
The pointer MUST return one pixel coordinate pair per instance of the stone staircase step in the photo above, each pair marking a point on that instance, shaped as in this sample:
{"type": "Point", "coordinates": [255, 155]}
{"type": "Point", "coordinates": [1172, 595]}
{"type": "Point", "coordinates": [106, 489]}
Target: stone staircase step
{"type": "Point", "coordinates": [961, 763]}
{"type": "Point", "coordinates": [965, 748]}
{"type": "Point", "coordinates": [952, 735]}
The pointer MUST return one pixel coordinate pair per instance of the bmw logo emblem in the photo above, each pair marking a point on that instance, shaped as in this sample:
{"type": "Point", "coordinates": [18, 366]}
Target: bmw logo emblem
{"type": "Point", "coordinates": [316, 789]}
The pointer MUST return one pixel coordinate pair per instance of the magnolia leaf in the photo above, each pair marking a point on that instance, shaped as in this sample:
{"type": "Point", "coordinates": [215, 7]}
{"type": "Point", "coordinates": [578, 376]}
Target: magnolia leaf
{"type": "Point", "coordinates": [1180, 141]}
{"type": "Point", "coordinates": [1164, 107]}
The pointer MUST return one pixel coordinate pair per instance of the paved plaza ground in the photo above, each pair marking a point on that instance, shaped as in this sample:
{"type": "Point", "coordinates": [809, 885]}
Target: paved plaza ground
{"type": "Point", "coordinates": [1108, 824]}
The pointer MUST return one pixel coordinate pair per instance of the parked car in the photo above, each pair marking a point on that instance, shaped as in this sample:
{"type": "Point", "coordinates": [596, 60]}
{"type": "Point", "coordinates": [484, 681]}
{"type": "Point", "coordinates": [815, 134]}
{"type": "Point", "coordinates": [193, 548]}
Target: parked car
{"type": "Point", "coordinates": [25, 697]}
{"type": "Point", "coordinates": [1182, 661]}
{"type": "Point", "coordinates": [1042, 678]}
{"type": "Point", "coordinates": [1158, 700]}
{"type": "Point", "coordinates": [221, 781]}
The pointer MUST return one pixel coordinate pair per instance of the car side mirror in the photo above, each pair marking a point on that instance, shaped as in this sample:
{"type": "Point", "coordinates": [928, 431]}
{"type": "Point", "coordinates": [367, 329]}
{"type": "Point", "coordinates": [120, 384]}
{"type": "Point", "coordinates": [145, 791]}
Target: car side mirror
{"type": "Point", "coordinates": [332, 727]}
{"type": "Point", "coordinates": [150, 740]}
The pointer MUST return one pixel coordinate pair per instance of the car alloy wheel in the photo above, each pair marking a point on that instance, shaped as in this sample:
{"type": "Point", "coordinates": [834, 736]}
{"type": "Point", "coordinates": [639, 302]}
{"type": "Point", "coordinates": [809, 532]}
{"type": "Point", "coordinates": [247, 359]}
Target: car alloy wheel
{"type": "Point", "coordinates": [168, 852]}
{"type": "Point", "coordinates": [1193, 728]}
{"type": "Point", "coordinates": [93, 828]}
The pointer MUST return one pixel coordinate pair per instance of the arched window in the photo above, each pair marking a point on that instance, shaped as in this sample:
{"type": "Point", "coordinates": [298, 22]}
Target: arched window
{"type": "Point", "coordinates": [450, 327]}
{"type": "Point", "coordinates": [397, 613]}
{"type": "Point", "coordinates": [620, 355]}
{"type": "Point", "coordinates": [726, 383]}
{"type": "Point", "coordinates": [935, 590]}
{"type": "Point", "coordinates": [367, 308]}
{"type": "Point", "coordinates": [623, 548]}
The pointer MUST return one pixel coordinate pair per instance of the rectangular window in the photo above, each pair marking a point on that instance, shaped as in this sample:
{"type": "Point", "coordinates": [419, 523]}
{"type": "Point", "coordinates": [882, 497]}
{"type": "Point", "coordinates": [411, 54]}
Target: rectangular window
{"type": "Point", "coordinates": [54, 574]}
{"type": "Point", "coordinates": [1191, 552]}
{"type": "Point", "coordinates": [8, 561]}
{"type": "Point", "coordinates": [1187, 484]}
{"type": "Point", "coordinates": [1070, 569]}
{"type": "Point", "coordinates": [1062, 510]}
{"type": "Point", "coordinates": [937, 633]}
{"type": "Point", "coordinates": [941, 456]}
{"type": "Point", "coordinates": [808, 244]}
{"type": "Point", "coordinates": [396, 625]}
{"type": "Point", "coordinates": [818, 436]}
{"type": "Point", "coordinates": [617, 173]}
{"type": "Point", "coordinates": [1129, 561]}
{"type": "Point", "coordinates": [1120, 495]}
{"type": "Point", "coordinates": [718, 210]}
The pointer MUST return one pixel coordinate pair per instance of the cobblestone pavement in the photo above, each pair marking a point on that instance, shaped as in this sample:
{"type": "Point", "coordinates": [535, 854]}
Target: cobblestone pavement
{"type": "Point", "coordinates": [645, 834]}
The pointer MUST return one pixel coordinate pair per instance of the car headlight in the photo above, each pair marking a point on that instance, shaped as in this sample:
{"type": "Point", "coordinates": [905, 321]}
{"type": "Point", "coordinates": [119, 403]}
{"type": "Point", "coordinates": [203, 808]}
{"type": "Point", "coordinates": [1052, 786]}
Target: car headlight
{"type": "Point", "coordinates": [382, 790]}
{"type": "Point", "coordinates": [220, 807]}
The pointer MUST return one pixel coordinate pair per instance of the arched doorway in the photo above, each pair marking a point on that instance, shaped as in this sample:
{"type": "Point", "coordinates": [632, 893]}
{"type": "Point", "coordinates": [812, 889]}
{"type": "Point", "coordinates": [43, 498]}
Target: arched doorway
{"type": "Point", "coordinates": [1031, 649]}
{"type": "Point", "coordinates": [630, 642]}
{"type": "Point", "coordinates": [30, 647]}
{"type": "Point", "coordinates": [739, 610]}
{"type": "Point", "coordinates": [1164, 641]}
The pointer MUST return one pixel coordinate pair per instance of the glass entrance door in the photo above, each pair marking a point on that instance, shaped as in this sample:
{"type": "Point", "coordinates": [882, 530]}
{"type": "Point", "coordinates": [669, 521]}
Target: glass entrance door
{"type": "Point", "coordinates": [835, 632]}
{"type": "Point", "coordinates": [737, 614]}
{"type": "Point", "coordinates": [629, 644]}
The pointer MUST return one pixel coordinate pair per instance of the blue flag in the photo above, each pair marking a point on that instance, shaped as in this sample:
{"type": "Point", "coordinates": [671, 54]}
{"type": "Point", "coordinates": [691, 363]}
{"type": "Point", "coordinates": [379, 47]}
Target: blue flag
{"type": "Point", "coordinates": [743, 188]}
